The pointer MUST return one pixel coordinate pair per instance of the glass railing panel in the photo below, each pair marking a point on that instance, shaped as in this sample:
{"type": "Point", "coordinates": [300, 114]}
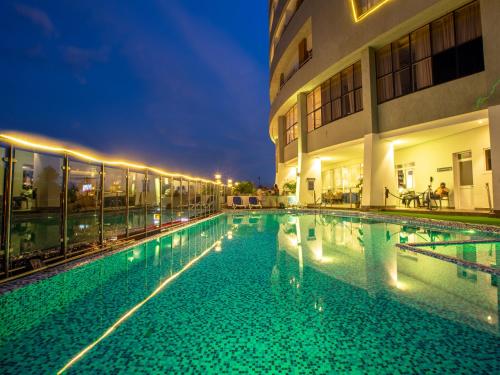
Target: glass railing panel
{"type": "Point", "coordinates": [177, 200]}
{"type": "Point", "coordinates": [137, 202]}
{"type": "Point", "coordinates": [166, 201]}
{"type": "Point", "coordinates": [185, 198]}
{"type": "Point", "coordinates": [2, 193]}
{"type": "Point", "coordinates": [153, 201]}
{"type": "Point", "coordinates": [36, 209]}
{"type": "Point", "coordinates": [193, 204]}
{"type": "Point", "coordinates": [84, 195]}
{"type": "Point", "coordinates": [115, 203]}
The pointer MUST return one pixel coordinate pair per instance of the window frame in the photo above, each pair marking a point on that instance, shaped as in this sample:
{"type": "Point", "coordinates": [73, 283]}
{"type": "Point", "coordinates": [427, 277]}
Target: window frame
{"type": "Point", "coordinates": [315, 114]}
{"type": "Point", "coordinates": [487, 160]}
{"type": "Point", "coordinates": [431, 57]}
{"type": "Point", "coordinates": [292, 127]}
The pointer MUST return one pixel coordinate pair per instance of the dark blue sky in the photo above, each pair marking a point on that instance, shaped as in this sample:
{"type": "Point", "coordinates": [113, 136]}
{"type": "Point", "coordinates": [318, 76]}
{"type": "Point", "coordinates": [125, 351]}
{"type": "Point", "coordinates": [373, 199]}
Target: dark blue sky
{"type": "Point", "coordinates": [177, 84]}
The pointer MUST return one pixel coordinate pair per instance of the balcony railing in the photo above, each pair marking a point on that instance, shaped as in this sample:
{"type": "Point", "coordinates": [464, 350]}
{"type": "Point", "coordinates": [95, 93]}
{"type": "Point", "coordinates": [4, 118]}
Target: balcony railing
{"type": "Point", "coordinates": [295, 69]}
{"type": "Point", "coordinates": [288, 21]}
{"type": "Point", "coordinates": [57, 204]}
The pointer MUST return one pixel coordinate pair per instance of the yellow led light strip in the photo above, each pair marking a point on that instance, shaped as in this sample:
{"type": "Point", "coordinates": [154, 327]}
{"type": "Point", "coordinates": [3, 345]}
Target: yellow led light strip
{"type": "Point", "coordinates": [62, 150]}
{"type": "Point", "coordinates": [129, 313]}
{"type": "Point", "coordinates": [370, 11]}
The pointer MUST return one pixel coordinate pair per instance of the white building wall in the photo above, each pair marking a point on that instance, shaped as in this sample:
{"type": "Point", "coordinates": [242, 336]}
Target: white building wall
{"type": "Point", "coordinates": [430, 156]}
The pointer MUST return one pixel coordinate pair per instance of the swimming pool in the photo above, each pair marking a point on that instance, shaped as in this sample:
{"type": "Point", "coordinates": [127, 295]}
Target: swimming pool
{"type": "Point", "coordinates": [267, 293]}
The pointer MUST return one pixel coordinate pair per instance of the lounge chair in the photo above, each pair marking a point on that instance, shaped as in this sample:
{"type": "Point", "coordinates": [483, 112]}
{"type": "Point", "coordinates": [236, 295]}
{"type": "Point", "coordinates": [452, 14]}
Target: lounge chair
{"type": "Point", "coordinates": [238, 202]}
{"type": "Point", "coordinates": [253, 202]}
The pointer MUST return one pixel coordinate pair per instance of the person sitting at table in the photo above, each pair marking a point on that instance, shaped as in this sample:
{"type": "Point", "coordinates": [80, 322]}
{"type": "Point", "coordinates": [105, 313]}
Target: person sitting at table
{"type": "Point", "coordinates": [441, 191]}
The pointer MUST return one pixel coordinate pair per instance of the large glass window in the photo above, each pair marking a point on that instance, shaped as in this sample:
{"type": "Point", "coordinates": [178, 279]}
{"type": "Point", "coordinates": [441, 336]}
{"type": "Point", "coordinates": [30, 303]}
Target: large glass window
{"type": "Point", "coordinates": [115, 202]}
{"type": "Point", "coordinates": [337, 97]}
{"type": "Point", "coordinates": [291, 124]}
{"type": "Point", "coordinates": [421, 58]}
{"type": "Point", "coordinates": [36, 208]}
{"type": "Point", "coordinates": [84, 200]}
{"type": "Point", "coordinates": [448, 48]}
{"type": "Point", "coordinates": [137, 202]}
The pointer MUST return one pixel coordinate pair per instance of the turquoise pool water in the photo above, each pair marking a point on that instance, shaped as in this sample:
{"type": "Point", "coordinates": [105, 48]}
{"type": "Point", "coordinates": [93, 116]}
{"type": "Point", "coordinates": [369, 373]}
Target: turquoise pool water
{"type": "Point", "coordinates": [260, 293]}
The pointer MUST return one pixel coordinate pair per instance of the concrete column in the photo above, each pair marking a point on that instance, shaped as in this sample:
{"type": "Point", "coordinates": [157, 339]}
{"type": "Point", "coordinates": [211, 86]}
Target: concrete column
{"type": "Point", "coordinates": [378, 170]}
{"type": "Point", "coordinates": [307, 167]}
{"type": "Point", "coordinates": [302, 122]}
{"type": "Point", "coordinates": [369, 83]}
{"type": "Point", "coordinates": [490, 11]}
{"type": "Point", "coordinates": [280, 147]}
{"type": "Point", "coordinates": [494, 125]}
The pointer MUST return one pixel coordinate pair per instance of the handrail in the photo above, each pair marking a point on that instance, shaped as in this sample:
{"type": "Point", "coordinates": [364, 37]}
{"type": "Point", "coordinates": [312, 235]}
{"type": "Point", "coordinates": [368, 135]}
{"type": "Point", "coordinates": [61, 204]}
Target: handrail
{"type": "Point", "coordinates": [296, 69]}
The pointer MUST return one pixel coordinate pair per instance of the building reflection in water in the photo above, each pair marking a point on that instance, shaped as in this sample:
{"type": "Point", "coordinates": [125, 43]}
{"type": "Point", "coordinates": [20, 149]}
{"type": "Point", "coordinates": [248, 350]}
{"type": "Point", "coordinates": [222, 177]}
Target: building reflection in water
{"type": "Point", "coordinates": [363, 254]}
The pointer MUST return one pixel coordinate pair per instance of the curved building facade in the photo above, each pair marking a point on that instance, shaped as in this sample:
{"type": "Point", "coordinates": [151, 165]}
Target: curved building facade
{"type": "Point", "coordinates": [369, 94]}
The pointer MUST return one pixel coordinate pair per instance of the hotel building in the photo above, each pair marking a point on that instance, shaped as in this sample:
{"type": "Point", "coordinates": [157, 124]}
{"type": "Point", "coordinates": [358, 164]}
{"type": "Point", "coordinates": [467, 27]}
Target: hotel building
{"type": "Point", "coordinates": [369, 94]}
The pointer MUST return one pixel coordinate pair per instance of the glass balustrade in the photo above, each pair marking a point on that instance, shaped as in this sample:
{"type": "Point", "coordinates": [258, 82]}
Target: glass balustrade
{"type": "Point", "coordinates": [61, 204]}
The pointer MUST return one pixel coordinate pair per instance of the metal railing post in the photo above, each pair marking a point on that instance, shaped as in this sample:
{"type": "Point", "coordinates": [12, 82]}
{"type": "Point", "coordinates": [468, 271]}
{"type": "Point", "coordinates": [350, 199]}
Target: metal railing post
{"type": "Point", "coordinates": [64, 207]}
{"type": "Point", "coordinates": [171, 184]}
{"type": "Point", "coordinates": [161, 202]}
{"type": "Point", "coordinates": [181, 211]}
{"type": "Point", "coordinates": [146, 187]}
{"type": "Point", "coordinates": [101, 207]}
{"type": "Point", "coordinates": [127, 203]}
{"type": "Point", "coordinates": [189, 199]}
{"type": "Point", "coordinates": [7, 208]}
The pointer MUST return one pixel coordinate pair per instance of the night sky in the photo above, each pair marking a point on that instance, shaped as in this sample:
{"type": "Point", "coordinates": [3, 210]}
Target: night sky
{"type": "Point", "coordinates": [181, 85]}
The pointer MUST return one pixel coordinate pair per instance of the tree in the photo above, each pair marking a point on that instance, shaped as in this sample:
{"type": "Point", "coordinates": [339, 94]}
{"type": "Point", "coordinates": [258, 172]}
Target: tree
{"type": "Point", "coordinates": [243, 187]}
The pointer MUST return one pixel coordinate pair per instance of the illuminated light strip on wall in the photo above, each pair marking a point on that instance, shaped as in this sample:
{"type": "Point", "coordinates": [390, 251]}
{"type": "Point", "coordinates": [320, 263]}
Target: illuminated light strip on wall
{"type": "Point", "coordinates": [370, 11]}
{"type": "Point", "coordinates": [62, 150]}
{"type": "Point", "coordinates": [131, 312]}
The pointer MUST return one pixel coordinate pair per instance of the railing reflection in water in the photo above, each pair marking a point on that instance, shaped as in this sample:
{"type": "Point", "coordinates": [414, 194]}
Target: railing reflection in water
{"type": "Point", "coordinates": [97, 294]}
{"type": "Point", "coordinates": [55, 205]}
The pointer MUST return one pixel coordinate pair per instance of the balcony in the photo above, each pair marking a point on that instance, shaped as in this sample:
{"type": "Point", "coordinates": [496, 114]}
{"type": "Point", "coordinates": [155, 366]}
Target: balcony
{"type": "Point", "coordinates": [285, 78]}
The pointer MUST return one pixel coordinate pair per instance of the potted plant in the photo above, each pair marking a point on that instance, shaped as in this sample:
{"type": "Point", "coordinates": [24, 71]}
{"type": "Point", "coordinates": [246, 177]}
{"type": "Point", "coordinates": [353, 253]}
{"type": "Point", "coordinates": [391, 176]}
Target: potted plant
{"type": "Point", "coordinates": [289, 187]}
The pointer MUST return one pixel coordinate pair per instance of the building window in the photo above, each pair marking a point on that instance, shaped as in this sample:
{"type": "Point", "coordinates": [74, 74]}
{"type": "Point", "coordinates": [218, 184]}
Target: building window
{"type": "Point", "coordinates": [448, 48]}
{"type": "Point", "coordinates": [291, 125]}
{"type": "Point", "coordinates": [337, 97]}
{"type": "Point", "coordinates": [487, 159]}
{"type": "Point", "coordinates": [406, 176]}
